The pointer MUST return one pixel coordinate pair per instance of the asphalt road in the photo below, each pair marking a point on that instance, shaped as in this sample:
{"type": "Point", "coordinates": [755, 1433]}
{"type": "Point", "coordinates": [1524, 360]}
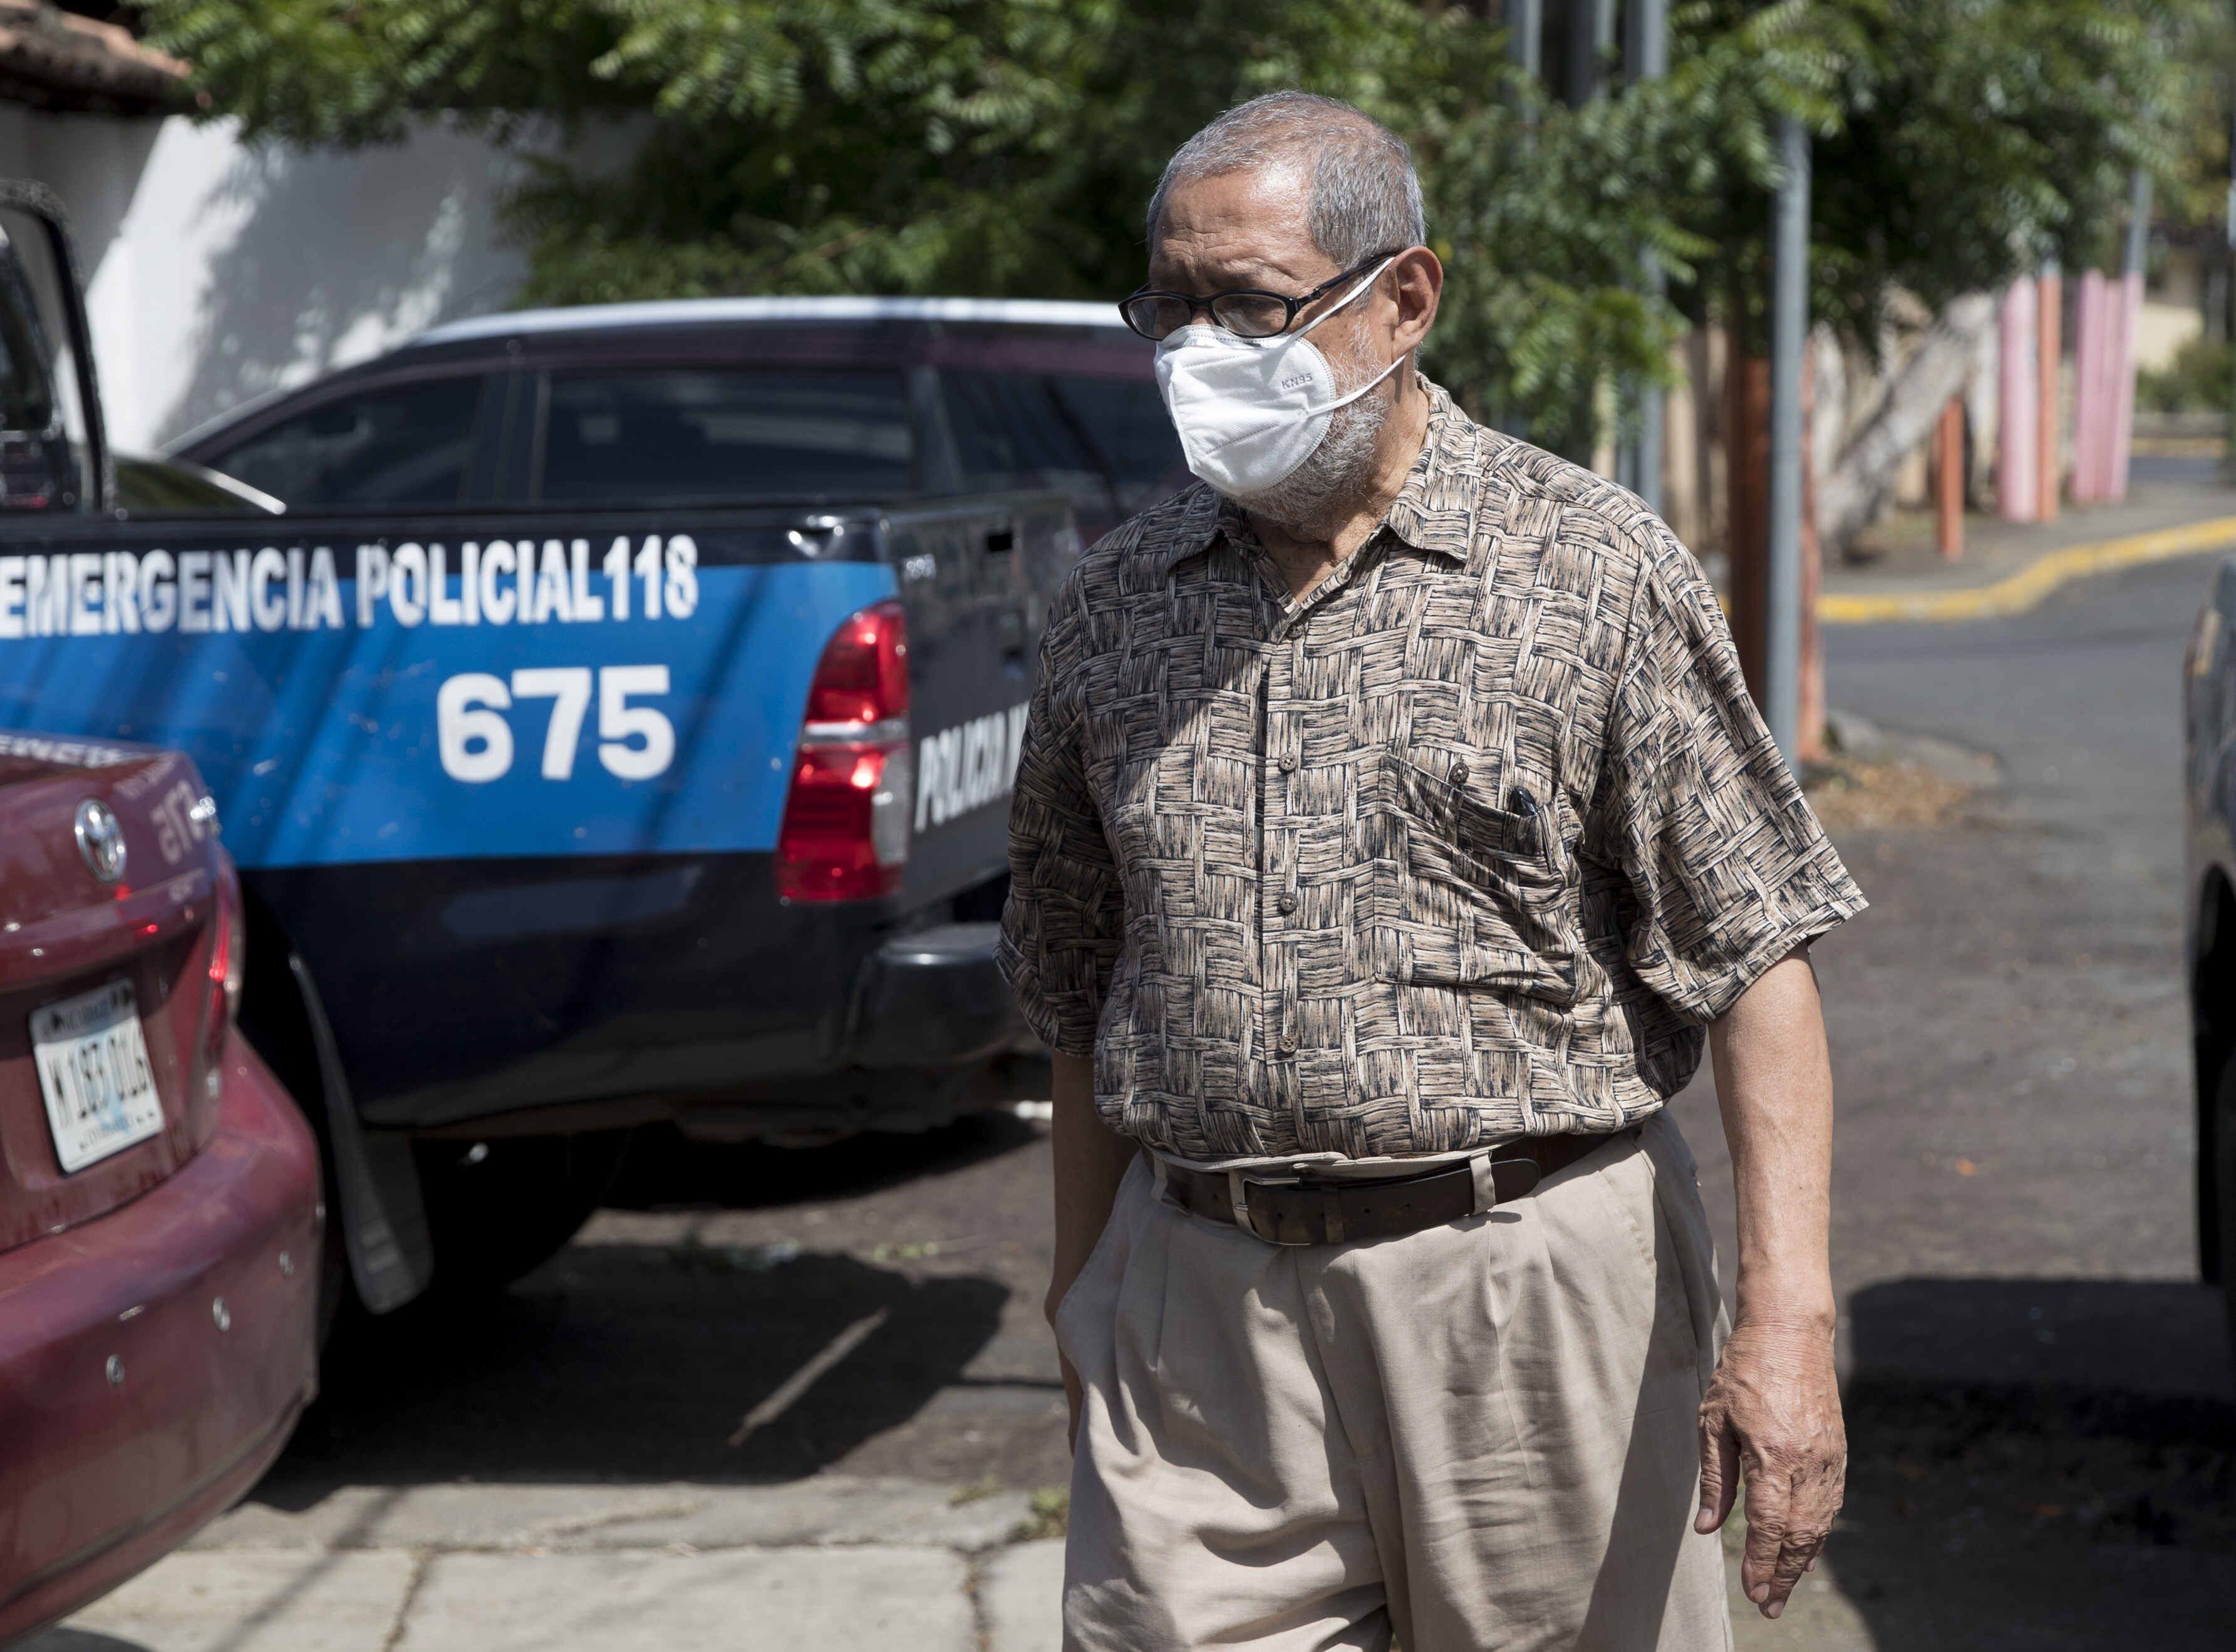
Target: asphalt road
{"type": "Point", "coordinates": [2043, 1415]}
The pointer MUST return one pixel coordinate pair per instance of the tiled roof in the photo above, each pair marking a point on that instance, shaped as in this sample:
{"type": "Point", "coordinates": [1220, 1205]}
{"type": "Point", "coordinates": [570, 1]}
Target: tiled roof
{"type": "Point", "coordinates": [51, 59]}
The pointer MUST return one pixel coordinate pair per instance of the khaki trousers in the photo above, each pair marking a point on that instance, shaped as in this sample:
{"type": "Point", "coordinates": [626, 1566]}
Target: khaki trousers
{"type": "Point", "coordinates": [1482, 1435]}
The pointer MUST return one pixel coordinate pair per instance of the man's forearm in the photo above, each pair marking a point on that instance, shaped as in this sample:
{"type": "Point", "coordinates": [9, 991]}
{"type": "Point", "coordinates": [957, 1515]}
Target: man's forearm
{"type": "Point", "coordinates": [1773, 1410]}
{"type": "Point", "coordinates": [1090, 1161]}
{"type": "Point", "coordinates": [1775, 1086]}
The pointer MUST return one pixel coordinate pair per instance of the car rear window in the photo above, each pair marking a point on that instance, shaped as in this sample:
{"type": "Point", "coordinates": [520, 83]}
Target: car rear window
{"type": "Point", "coordinates": [1125, 421]}
{"type": "Point", "coordinates": [667, 436]}
{"type": "Point", "coordinates": [403, 444]}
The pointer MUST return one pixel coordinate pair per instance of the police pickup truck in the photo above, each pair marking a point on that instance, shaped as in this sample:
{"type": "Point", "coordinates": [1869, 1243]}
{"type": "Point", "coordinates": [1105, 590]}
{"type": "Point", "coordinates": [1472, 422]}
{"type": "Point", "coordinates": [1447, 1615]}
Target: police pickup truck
{"type": "Point", "coordinates": [612, 710]}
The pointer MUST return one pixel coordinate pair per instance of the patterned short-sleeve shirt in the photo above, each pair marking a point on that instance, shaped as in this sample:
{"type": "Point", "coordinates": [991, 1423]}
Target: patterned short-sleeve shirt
{"type": "Point", "coordinates": [1469, 842]}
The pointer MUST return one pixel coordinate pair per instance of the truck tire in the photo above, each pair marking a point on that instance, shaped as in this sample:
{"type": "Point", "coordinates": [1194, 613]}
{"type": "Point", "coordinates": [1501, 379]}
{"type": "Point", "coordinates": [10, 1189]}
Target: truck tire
{"type": "Point", "coordinates": [2220, 1164]}
{"type": "Point", "coordinates": [273, 1023]}
{"type": "Point", "coordinates": [499, 1209]}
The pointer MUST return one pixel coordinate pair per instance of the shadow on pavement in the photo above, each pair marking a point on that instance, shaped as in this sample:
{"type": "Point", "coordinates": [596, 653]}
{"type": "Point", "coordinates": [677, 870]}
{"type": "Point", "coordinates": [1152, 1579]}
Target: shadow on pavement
{"type": "Point", "coordinates": [639, 1362]}
{"type": "Point", "coordinates": [736, 1314]}
{"type": "Point", "coordinates": [667, 1171]}
{"type": "Point", "coordinates": [2040, 1464]}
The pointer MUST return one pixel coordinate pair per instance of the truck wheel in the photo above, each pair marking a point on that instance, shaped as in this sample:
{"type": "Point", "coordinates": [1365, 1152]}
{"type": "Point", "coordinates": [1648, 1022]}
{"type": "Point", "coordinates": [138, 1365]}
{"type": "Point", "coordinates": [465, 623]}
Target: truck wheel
{"type": "Point", "coordinates": [498, 1209]}
{"type": "Point", "coordinates": [273, 1022]}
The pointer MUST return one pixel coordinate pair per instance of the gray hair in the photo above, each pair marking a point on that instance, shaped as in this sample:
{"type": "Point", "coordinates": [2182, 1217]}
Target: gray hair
{"type": "Point", "coordinates": [1364, 195]}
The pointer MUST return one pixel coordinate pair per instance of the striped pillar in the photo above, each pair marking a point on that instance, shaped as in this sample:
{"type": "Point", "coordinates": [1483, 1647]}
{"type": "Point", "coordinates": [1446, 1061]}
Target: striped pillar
{"type": "Point", "coordinates": [2018, 421]}
{"type": "Point", "coordinates": [2091, 417]}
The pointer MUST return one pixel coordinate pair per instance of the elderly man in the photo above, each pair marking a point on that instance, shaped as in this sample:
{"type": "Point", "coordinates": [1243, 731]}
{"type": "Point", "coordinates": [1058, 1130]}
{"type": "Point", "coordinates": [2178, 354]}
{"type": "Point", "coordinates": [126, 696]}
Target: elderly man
{"type": "Point", "coordinates": [1393, 828]}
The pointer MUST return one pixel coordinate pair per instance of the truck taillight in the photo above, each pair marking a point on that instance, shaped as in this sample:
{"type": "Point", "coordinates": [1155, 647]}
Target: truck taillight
{"type": "Point", "coordinates": [846, 833]}
{"type": "Point", "coordinates": [222, 1000]}
{"type": "Point", "coordinates": [227, 950]}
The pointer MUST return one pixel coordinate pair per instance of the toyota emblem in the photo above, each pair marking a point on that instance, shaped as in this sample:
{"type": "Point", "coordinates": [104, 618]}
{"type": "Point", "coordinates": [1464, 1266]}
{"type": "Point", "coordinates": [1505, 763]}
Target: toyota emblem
{"type": "Point", "coordinates": [100, 840]}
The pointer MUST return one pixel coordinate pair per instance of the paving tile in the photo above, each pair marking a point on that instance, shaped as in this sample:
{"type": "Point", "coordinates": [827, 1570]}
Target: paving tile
{"type": "Point", "coordinates": [278, 1602]}
{"type": "Point", "coordinates": [1021, 1591]}
{"type": "Point", "coordinates": [823, 1511]}
{"type": "Point", "coordinates": [793, 1600]}
{"type": "Point", "coordinates": [830, 1509]}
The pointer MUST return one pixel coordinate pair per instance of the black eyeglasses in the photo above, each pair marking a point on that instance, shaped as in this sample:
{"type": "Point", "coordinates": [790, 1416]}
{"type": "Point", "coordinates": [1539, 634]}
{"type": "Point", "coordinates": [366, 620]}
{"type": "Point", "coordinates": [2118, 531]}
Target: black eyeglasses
{"type": "Point", "coordinates": [1247, 311]}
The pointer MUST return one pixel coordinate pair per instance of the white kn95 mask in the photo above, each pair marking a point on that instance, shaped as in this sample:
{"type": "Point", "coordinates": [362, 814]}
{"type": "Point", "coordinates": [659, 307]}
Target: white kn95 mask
{"type": "Point", "coordinates": [1250, 411]}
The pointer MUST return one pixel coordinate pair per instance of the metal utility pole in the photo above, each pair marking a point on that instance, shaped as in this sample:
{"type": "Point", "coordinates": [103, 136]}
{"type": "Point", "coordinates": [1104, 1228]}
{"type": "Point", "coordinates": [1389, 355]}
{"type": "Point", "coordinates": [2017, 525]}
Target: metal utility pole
{"type": "Point", "coordinates": [1645, 56]}
{"type": "Point", "coordinates": [2133, 268]}
{"type": "Point", "coordinates": [2049, 316]}
{"type": "Point", "coordinates": [1645, 43]}
{"type": "Point", "coordinates": [2136, 253]}
{"type": "Point", "coordinates": [1789, 327]}
{"type": "Point", "coordinates": [1591, 37]}
{"type": "Point", "coordinates": [1525, 33]}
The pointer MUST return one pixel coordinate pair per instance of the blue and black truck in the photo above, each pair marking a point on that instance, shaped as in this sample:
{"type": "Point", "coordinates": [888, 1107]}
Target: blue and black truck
{"type": "Point", "coordinates": [612, 710]}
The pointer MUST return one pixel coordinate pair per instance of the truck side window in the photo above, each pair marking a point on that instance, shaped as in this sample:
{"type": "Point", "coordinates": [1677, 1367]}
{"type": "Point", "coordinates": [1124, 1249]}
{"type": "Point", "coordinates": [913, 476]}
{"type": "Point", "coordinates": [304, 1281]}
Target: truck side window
{"type": "Point", "coordinates": [38, 470]}
{"type": "Point", "coordinates": [404, 445]}
{"type": "Point", "coordinates": [1009, 435]}
{"type": "Point", "coordinates": [26, 398]}
{"type": "Point", "coordinates": [674, 434]}
{"type": "Point", "coordinates": [1126, 422]}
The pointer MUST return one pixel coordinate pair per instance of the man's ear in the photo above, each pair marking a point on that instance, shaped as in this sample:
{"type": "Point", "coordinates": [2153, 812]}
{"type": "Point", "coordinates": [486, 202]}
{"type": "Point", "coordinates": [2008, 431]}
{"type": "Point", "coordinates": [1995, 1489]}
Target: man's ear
{"type": "Point", "coordinates": [1418, 282]}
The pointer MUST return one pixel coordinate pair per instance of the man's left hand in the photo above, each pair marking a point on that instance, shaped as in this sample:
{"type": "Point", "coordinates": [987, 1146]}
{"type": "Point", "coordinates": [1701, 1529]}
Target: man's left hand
{"type": "Point", "coordinates": [1773, 1410]}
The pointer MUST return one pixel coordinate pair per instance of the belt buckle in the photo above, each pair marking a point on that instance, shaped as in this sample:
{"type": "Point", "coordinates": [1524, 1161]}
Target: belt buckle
{"type": "Point", "coordinates": [1239, 1199]}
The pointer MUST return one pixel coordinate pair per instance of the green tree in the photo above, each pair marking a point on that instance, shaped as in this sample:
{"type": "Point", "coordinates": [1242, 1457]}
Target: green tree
{"type": "Point", "coordinates": [1955, 143]}
{"type": "Point", "coordinates": [1007, 147]}
{"type": "Point", "coordinates": [997, 147]}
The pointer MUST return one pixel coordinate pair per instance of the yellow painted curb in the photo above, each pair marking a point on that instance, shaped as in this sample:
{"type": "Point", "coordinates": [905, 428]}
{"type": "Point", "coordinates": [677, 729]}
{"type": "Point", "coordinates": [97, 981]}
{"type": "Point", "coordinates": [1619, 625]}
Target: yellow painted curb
{"type": "Point", "coordinates": [2022, 590]}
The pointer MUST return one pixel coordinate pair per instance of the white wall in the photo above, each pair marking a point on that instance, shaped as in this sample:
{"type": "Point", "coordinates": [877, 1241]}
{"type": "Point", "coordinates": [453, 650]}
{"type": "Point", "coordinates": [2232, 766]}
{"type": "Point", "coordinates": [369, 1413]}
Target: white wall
{"type": "Point", "coordinates": [2165, 328]}
{"type": "Point", "coordinates": [217, 271]}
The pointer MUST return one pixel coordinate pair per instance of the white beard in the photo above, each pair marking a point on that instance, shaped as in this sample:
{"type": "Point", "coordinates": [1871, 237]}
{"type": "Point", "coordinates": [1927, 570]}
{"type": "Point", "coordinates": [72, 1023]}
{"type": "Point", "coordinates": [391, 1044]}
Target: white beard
{"type": "Point", "coordinates": [1339, 469]}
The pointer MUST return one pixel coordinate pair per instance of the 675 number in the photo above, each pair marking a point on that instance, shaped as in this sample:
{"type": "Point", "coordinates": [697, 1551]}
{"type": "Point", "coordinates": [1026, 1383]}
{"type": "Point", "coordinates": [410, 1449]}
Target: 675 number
{"type": "Point", "coordinates": [635, 743]}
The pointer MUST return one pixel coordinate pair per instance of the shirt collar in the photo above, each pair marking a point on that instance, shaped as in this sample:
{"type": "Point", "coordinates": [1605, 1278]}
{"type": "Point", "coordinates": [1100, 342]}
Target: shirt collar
{"type": "Point", "coordinates": [1434, 512]}
{"type": "Point", "coordinates": [1436, 508]}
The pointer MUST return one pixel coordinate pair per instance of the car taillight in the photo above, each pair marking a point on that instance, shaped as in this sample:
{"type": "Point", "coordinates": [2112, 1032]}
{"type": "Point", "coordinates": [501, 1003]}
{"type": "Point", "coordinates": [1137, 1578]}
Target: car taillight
{"type": "Point", "coordinates": [846, 833]}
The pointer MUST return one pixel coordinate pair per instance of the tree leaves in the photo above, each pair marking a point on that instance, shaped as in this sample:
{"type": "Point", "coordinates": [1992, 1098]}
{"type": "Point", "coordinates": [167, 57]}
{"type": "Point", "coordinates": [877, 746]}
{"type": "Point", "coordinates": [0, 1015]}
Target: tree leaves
{"type": "Point", "coordinates": [1009, 147]}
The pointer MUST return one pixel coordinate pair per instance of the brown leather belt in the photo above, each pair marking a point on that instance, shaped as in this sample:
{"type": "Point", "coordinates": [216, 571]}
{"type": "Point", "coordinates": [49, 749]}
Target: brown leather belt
{"type": "Point", "coordinates": [1306, 1210]}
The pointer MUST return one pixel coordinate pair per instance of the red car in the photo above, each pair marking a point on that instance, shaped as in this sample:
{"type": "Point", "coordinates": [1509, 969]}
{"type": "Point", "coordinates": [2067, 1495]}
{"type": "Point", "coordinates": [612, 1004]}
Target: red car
{"type": "Point", "coordinates": [159, 1216]}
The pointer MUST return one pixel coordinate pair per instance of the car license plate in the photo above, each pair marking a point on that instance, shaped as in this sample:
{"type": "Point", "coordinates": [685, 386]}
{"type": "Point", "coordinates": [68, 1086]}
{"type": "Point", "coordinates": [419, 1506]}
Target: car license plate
{"type": "Point", "coordinates": [94, 1074]}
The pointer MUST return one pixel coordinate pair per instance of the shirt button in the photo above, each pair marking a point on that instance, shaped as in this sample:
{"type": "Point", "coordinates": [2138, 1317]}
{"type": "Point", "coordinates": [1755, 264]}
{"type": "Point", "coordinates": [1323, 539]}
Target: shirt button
{"type": "Point", "coordinates": [1288, 1044]}
{"type": "Point", "coordinates": [1286, 904]}
{"type": "Point", "coordinates": [1288, 762]}
{"type": "Point", "coordinates": [1459, 774]}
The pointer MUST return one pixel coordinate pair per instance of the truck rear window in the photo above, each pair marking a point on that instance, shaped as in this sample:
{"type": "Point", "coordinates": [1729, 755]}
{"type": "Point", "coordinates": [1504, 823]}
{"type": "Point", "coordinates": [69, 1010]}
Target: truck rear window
{"type": "Point", "coordinates": [404, 445]}
{"type": "Point", "coordinates": [1126, 422]}
{"type": "Point", "coordinates": [671, 435]}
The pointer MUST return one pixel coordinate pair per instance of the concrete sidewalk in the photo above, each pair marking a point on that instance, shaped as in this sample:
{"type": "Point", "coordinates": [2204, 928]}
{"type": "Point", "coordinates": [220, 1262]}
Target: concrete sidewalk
{"type": "Point", "coordinates": [859, 1565]}
{"type": "Point", "coordinates": [2174, 508]}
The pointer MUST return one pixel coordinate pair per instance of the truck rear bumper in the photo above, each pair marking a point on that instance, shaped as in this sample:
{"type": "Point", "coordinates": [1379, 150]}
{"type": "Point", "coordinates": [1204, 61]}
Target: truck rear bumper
{"type": "Point", "coordinates": [549, 997]}
{"type": "Point", "coordinates": [930, 1030]}
{"type": "Point", "coordinates": [136, 1405]}
{"type": "Point", "coordinates": [933, 999]}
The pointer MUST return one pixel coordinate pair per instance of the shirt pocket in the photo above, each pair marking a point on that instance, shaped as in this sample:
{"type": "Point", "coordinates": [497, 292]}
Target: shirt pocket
{"type": "Point", "coordinates": [1468, 884]}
